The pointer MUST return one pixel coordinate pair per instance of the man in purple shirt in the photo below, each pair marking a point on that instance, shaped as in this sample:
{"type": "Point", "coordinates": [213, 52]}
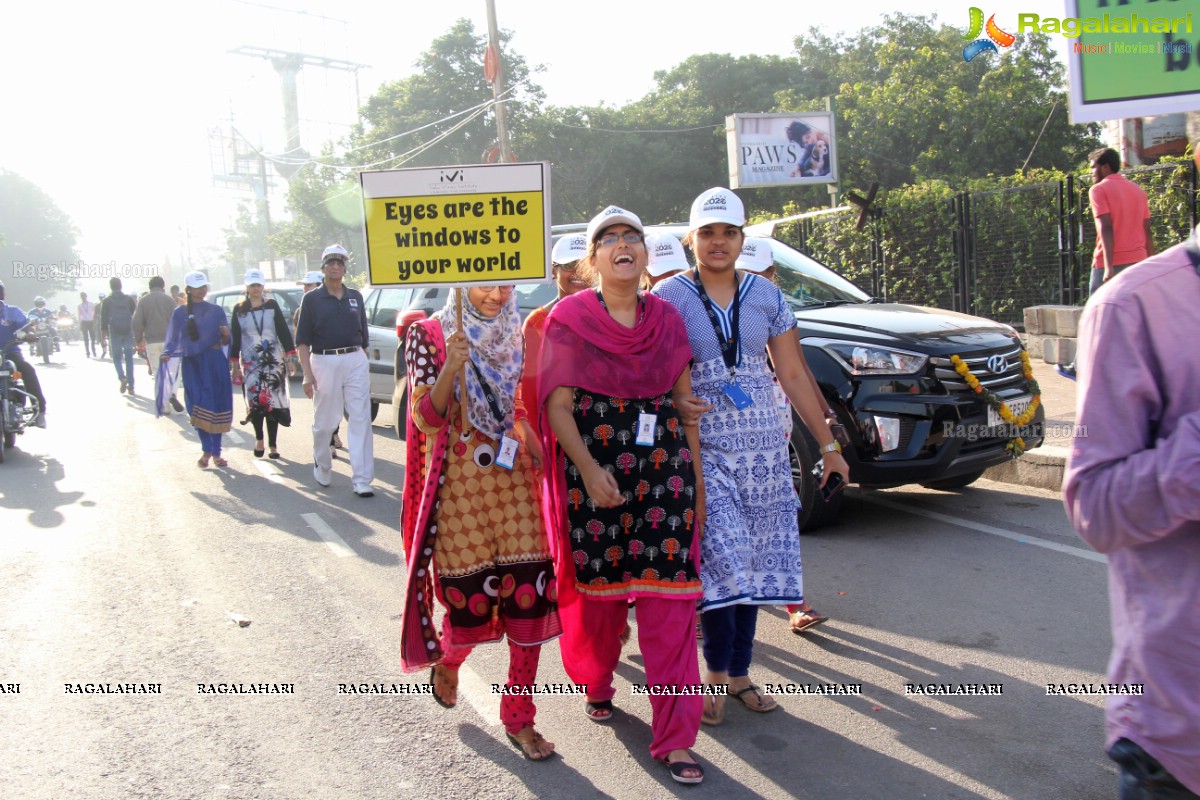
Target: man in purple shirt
{"type": "Point", "coordinates": [1132, 491]}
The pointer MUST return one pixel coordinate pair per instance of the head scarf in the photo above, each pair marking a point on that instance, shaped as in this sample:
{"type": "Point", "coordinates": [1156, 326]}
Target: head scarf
{"type": "Point", "coordinates": [498, 350]}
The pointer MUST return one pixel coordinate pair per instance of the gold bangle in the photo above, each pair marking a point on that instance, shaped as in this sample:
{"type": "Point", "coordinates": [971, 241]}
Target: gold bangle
{"type": "Point", "coordinates": [832, 447]}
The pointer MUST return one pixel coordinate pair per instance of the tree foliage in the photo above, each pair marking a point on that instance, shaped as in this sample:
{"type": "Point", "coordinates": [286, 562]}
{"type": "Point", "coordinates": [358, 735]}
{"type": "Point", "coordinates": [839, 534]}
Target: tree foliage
{"type": "Point", "coordinates": [449, 81]}
{"type": "Point", "coordinates": [33, 231]}
{"type": "Point", "coordinates": [909, 111]}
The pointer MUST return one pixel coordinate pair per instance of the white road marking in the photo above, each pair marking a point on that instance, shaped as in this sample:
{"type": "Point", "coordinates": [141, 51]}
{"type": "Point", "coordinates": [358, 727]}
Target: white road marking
{"type": "Point", "coordinates": [268, 471]}
{"type": "Point", "coordinates": [1078, 552]}
{"type": "Point", "coordinates": [478, 694]}
{"type": "Point", "coordinates": [236, 437]}
{"type": "Point", "coordinates": [335, 542]}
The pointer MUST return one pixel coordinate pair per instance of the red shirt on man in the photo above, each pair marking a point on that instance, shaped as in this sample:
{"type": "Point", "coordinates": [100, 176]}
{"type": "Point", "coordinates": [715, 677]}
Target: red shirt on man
{"type": "Point", "coordinates": [1127, 208]}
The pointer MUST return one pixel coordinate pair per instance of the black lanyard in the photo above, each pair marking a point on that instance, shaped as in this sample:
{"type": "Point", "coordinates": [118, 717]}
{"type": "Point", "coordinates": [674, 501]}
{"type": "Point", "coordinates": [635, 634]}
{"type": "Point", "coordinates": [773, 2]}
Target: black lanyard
{"type": "Point", "coordinates": [489, 394]}
{"type": "Point", "coordinates": [730, 348]}
{"type": "Point", "coordinates": [260, 319]}
{"type": "Point", "coordinates": [641, 305]}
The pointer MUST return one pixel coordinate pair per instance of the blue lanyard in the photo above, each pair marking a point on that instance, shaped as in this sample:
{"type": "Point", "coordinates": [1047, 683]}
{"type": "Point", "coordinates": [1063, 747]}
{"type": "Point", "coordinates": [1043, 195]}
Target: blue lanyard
{"type": "Point", "coordinates": [730, 348]}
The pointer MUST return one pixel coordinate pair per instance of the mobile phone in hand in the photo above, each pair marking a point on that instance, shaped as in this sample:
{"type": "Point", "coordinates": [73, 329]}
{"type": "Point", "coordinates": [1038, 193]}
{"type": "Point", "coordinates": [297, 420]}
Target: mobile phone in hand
{"type": "Point", "coordinates": [834, 485]}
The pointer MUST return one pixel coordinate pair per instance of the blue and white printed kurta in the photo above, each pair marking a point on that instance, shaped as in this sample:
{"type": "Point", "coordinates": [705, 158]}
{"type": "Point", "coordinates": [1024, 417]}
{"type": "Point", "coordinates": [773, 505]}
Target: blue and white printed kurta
{"type": "Point", "coordinates": [750, 550]}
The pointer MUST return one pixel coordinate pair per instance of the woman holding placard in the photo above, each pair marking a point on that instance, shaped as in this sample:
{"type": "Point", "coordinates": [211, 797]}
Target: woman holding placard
{"type": "Point", "coordinates": [473, 532]}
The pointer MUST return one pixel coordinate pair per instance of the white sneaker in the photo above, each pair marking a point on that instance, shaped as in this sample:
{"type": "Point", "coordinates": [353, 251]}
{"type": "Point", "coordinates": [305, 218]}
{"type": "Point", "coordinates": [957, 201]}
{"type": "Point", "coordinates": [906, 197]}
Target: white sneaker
{"type": "Point", "coordinates": [364, 490]}
{"type": "Point", "coordinates": [322, 476]}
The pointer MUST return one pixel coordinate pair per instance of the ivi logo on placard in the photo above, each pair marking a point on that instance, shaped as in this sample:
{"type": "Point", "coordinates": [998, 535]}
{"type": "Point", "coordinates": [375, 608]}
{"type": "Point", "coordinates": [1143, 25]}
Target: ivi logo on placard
{"type": "Point", "coordinates": [450, 177]}
{"type": "Point", "coordinates": [995, 36]}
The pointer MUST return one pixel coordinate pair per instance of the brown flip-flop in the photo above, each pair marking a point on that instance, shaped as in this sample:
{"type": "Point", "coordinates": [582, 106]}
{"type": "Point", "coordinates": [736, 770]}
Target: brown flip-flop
{"type": "Point", "coordinates": [763, 708]}
{"type": "Point", "coordinates": [803, 619]}
{"type": "Point", "coordinates": [714, 717]}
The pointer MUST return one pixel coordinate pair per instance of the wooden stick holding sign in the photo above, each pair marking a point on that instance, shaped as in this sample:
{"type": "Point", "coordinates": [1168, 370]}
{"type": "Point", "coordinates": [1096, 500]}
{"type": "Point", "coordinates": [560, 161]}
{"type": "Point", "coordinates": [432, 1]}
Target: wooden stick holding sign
{"type": "Point", "coordinates": [462, 378]}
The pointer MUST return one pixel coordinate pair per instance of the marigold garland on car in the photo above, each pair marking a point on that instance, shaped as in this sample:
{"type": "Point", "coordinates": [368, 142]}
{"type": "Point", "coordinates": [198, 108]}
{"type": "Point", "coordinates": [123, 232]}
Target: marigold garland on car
{"type": "Point", "coordinates": [1017, 444]}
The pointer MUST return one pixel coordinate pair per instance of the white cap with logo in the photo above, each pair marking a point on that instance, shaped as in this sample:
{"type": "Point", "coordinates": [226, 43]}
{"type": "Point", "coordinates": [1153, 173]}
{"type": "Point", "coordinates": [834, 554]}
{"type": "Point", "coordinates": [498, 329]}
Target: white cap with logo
{"type": "Point", "coordinates": [666, 255]}
{"type": "Point", "coordinates": [717, 206]}
{"type": "Point", "coordinates": [334, 251]}
{"type": "Point", "coordinates": [571, 247]}
{"type": "Point", "coordinates": [756, 255]}
{"type": "Point", "coordinates": [195, 280]}
{"type": "Point", "coordinates": [254, 276]}
{"type": "Point", "coordinates": [612, 215]}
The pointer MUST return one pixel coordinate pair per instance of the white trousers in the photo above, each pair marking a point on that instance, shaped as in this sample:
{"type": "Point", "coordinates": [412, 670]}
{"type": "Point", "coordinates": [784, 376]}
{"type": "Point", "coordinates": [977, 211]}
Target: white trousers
{"type": "Point", "coordinates": [344, 384]}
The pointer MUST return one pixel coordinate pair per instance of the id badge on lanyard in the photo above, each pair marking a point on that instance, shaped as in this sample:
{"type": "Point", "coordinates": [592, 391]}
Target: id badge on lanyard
{"type": "Point", "coordinates": [508, 452]}
{"type": "Point", "coordinates": [645, 429]}
{"type": "Point", "coordinates": [737, 395]}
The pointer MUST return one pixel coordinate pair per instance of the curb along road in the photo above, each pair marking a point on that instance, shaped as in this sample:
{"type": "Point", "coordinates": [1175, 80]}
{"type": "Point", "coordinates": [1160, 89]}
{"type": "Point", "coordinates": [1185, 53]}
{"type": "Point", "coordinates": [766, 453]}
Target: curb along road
{"type": "Point", "coordinates": [1043, 467]}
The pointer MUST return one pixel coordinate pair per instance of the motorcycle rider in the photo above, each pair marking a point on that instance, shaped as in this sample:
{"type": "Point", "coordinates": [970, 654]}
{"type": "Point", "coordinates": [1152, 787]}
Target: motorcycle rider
{"type": "Point", "coordinates": [12, 320]}
{"type": "Point", "coordinates": [63, 313]}
{"type": "Point", "coordinates": [44, 315]}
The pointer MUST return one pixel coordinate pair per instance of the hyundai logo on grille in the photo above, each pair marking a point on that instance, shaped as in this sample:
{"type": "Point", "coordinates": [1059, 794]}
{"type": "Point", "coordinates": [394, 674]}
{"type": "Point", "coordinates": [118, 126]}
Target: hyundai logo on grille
{"type": "Point", "coordinates": [998, 365]}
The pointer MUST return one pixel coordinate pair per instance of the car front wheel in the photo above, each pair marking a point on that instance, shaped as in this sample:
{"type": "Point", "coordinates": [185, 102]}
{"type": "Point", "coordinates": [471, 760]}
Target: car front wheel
{"type": "Point", "coordinates": [804, 455]}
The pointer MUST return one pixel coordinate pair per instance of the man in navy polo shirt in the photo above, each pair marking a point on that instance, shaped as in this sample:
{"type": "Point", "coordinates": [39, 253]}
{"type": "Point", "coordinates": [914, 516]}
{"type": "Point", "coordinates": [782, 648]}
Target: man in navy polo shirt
{"type": "Point", "coordinates": [332, 339]}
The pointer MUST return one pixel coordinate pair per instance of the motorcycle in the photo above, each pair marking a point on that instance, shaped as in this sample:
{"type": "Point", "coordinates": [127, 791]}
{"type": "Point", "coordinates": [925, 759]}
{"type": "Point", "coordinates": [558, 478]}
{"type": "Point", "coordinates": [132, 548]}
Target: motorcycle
{"type": "Point", "coordinates": [67, 329]}
{"type": "Point", "coordinates": [43, 345]}
{"type": "Point", "coordinates": [18, 408]}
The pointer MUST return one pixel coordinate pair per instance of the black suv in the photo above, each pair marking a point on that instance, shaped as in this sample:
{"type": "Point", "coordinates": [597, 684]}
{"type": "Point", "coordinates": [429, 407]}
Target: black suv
{"type": "Point", "coordinates": [886, 370]}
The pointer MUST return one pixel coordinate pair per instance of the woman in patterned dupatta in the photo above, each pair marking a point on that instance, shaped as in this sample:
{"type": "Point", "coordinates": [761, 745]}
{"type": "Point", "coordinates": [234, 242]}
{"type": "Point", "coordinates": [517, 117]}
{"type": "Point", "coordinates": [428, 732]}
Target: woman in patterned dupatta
{"type": "Point", "coordinates": [473, 531]}
{"type": "Point", "coordinates": [197, 334]}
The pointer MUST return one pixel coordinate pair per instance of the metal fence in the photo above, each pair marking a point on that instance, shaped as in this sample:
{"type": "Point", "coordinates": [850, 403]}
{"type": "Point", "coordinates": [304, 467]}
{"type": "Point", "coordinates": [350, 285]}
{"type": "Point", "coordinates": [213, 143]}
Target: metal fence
{"type": "Point", "coordinates": [991, 253]}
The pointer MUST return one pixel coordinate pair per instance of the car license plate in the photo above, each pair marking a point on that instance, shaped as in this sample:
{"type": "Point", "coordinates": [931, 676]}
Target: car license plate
{"type": "Point", "coordinates": [1018, 406]}
{"type": "Point", "coordinates": [5, 373]}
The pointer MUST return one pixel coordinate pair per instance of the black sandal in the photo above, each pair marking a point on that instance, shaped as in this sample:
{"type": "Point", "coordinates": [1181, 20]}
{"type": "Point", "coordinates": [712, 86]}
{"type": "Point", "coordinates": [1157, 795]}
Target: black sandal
{"type": "Point", "coordinates": [258, 453]}
{"type": "Point", "coordinates": [595, 710]}
{"type": "Point", "coordinates": [677, 769]}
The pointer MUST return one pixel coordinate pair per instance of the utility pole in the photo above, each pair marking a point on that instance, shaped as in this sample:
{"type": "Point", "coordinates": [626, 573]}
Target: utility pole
{"type": "Point", "coordinates": [494, 72]}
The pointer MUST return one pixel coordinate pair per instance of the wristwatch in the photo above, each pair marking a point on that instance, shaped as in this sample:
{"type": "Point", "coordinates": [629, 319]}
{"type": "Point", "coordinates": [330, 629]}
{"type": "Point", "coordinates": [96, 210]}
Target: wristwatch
{"type": "Point", "coordinates": [832, 447]}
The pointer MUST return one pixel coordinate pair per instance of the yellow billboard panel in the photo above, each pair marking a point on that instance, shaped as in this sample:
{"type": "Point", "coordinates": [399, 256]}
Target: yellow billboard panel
{"type": "Point", "coordinates": [453, 226]}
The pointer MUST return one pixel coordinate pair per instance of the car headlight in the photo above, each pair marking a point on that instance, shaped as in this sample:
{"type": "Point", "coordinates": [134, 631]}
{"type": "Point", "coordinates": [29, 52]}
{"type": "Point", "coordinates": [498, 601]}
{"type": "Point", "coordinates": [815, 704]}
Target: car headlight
{"type": "Point", "coordinates": [865, 359]}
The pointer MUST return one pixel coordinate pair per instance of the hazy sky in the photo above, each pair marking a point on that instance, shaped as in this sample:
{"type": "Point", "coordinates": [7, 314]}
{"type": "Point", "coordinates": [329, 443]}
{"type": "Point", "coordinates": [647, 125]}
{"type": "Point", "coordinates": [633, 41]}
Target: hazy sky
{"type": "Point", "coordinates": [108, 107]}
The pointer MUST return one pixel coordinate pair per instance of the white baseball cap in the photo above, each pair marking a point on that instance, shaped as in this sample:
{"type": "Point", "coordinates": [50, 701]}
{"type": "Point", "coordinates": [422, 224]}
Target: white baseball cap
{"type": "Point", "coordinates": [756, 255]}
{"type": "Point", "coordinates": [195, 280]}
{"type": "Point", "coordinates": [612, 215]}
{"type": "Point", "coordinates": [666, 255]}
{"type": "Point", "coordinates": [254, 276]}
{"type": "Point", "coordinates": [334, 251]}
{"type": "Point", "coordinates": [571, 247]}
{"type": "Point", "coordinates": [311, 277]}
{"type": "Point", "coordinates": [717, 206]}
